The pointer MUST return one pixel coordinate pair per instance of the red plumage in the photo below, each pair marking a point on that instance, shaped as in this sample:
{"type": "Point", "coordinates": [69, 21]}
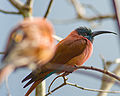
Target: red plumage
{"type": "Point", "coordinates": [73, 50]}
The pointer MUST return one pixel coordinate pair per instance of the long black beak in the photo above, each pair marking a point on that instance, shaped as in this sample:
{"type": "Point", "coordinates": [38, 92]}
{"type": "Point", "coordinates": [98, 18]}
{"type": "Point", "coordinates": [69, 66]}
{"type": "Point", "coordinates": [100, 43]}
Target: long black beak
{"type": "Point", "coordinates": [95, 33]}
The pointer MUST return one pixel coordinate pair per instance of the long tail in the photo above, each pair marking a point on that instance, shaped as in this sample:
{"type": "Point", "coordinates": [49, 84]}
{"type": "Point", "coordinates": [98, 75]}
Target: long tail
{"type": "Point", "coordinates": [34, 85]}
{"type": "Point", "coordinates": [37, 78]}
{"type": "Point", "coordinates": [5, 72]}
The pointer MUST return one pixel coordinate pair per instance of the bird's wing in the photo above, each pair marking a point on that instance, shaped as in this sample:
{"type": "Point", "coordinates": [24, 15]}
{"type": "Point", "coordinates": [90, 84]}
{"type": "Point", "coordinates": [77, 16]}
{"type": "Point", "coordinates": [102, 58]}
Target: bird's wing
{"type": "Point", "coordinates": [67, 49]}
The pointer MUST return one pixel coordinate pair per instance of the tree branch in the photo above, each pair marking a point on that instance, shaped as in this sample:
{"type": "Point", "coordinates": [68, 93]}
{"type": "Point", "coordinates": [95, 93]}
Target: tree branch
{"type": "Point", "coordinates": [2, 52]}
{"type": "Point", "coordinates": [105, 84]}
{"type": "Point", "coordinates": [48, 9]}
{"type": "Point", "coordinates": [99, 70]}
{"type": "Point", "coordinates": [57, 38]}
{"type": "Point", "coordinates": [7, 12]}
{"type": "Point", "coordinates": [88, 19]}
{"type": "Point", "coordinates": [29, 3]}
{"type": "Point", "coordinates": [88, 89]}
{"type": "Point", "coordinates": [17, 4]}
{"type": "Point", "coordinates": [24, 9]}
{"type": "Point", "coordinates": [40, 89]}
{"type": "Point", "coordinates": [71, 84]}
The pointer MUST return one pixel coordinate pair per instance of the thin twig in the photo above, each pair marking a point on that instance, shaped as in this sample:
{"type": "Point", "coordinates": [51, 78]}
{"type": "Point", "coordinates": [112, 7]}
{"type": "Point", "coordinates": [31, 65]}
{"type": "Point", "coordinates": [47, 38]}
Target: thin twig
{"type": "Point", "coordinates": [29, 3]}
{"type": "Point", "coordinates": [16, 3]}
{"type": "Point", "coordinates": [70, 69]}
{"type": "Point", "coordinates": [105, 84]}
{"type": "Point", "coordinates": [8, 12]}
{"type": "Point", "coordinates": [2, 52]}
{"type": "Point", "coordinates": [7, 86]}
{"type": "Point", "coordinates": [116, 9]}
{"type": "Point", "coordinates": [99, 70]}
{"type": "Point", "coordinates": [54, 81]}
{"type": "Point", "coordinates": [48, 9]}
{"type": "Point", "coordinates": [71, 84]}
{"type": "Point", "coordinates": [117, 14]}
{"type": "Point", "coordinates": [99, 17]}
{"type": "Point", "coordinates": [80, 10]}
{"type": "Point", "coordinates": [88, 19]}
{"type": "Point", "coordinates": [25, 10]}
{"type": "Point", "coordinates": [89, 89]}
{"type": "Point", "coordinates": [64, 83]}
{"type": "Point", "coordinates": [57, 38]}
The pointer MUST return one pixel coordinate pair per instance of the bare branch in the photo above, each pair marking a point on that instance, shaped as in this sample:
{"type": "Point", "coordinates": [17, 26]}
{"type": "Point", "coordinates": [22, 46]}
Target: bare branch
{"type": "Point", "coordinates": [2, 52]}
{"type": "Point", "coordinates": [79, 8]}
{"type": "Point", "coordinates": [57, 38]}
{"type": "Point", "coordinates": [105, 84]}
{"type": "Point", "coordinates": [40, 89]}
{"type": "Point", "coordinates": [99, 70]}
{"type": "Point", "coordinates": [99, 17]}
{"type": "Point", "coordinates": [17, 4]}
{"type": "Point", "coordinates": [48, 9]}
{"type": "Point", "coordinates": [116, 9]}
{"type": "Point", "coordinates": [8, 90]}
{"type": "Point", "coordinates": [62, 75]}
{"type": "Point", "coordinates": [29, 3]}
{"type": "Point", "coordinates": [88, 19]}
{"type": "Point", "coordinates": [88, 89]}
{"type": "Point", "coordinates": [7, 12]}
{"type": "Point", "coordinates": [65, 79]}
{"type": "Point", "coordinates": [71, 84]}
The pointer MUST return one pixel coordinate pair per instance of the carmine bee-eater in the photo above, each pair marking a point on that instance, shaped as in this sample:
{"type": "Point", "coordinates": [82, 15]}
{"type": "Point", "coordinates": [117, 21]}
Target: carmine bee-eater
{"type": "Point", "coordinates": [30, 45]}
{"type": "Point", "coordinates": [75, 49]}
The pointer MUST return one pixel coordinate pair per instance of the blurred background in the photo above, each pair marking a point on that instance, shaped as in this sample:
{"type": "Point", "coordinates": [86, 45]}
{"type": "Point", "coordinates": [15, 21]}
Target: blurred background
{"type": "Point", "coordinates": [62, 16]}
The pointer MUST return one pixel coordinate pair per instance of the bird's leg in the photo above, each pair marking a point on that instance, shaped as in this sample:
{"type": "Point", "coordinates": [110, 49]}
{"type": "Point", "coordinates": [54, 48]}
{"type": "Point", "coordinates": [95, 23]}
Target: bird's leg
{"type": "Point", "coordinates": [62, 75]}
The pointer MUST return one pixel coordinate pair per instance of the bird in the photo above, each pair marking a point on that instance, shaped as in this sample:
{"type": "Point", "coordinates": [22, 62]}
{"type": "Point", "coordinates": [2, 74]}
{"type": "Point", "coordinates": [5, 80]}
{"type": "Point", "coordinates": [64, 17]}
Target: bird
{"type": "Point", "coordinates": [30, 44]}
{"type": "Point", "coordinates": [72, 51]}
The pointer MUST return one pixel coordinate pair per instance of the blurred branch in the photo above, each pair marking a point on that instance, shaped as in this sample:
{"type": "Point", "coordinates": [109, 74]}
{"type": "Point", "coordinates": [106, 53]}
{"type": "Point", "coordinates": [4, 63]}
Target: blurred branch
{"type": "Point", "coordinates": [24, 9]}
{"type": "Point", "coordinates": [48, 9]}
{"type": "Point", "coordinates": [40, 89]}
{"type": "Point", "coordinates": [2, 52]}
{"type": "Point", "coordinates": [17, 4]}
{"type": "Point", "coordinates": [7, 12]}
{"type": "Point", "coordinates": [105, 84]}
{"type": "Point", "coordinates": [88, 19]}
{"type": "Point", "coordinates": [81, 14]}
{"type": "Point", "coordinates": [116, 9]}
{"type": "Point", "coordinates": [79, 8]}
{"type": "Point", "coordinates": [29, 3]}
{"type": "Point", "coordinates": [8, 90]}
{"type": "Point", "coordinates": [57, 38]}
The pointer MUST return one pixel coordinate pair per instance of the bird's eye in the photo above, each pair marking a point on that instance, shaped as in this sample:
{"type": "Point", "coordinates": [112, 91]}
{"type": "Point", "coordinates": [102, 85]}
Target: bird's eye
{"type": "Point", "coordinates": [17, 36]}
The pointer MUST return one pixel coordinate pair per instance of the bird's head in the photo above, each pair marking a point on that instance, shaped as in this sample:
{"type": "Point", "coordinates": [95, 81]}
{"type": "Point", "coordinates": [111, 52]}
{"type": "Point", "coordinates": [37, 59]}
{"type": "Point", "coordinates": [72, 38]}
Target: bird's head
{"type": "Point", "coordinates": [87, 33]}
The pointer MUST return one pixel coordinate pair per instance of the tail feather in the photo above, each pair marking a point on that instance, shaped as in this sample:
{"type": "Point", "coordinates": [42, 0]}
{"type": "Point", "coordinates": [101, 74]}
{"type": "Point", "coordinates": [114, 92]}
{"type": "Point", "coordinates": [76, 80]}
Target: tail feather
{"type": "Point", "coordinates": [5, 72]}
{"type": "Point", "coordinates": [31, 81]}
{"type": "Point", "coordinates": [33, 87]}
{"type": "Point", "coordinates": [37, 77]}
{"type": "Point", "coordinates": [27, 77]}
